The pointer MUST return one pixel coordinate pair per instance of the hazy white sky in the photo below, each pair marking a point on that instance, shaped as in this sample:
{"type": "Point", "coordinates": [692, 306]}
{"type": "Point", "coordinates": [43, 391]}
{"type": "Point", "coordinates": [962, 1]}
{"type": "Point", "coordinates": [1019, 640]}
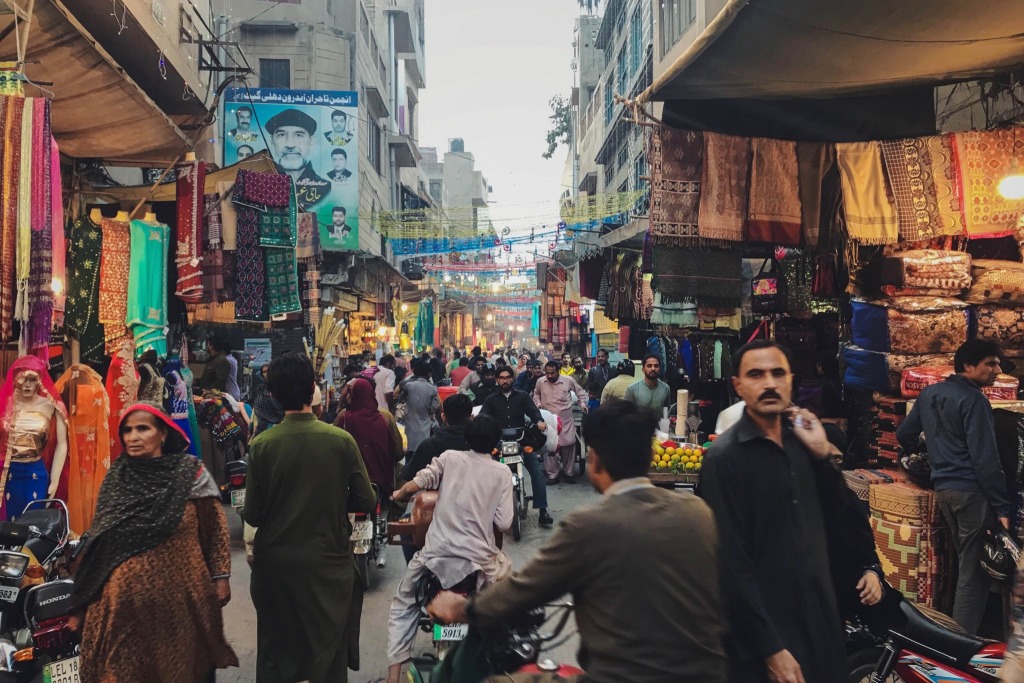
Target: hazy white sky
{"type": "Point", "coordinates": [492, 66]}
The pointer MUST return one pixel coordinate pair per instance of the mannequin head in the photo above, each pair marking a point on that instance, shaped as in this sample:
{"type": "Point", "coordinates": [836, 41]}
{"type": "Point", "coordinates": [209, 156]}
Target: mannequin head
{"type": "Point", "coordinates": [26, 384]}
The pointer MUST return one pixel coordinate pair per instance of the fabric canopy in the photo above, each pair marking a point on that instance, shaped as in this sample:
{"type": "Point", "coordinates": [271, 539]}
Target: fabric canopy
{"type": "Point", "coordinates": [778, 49]}
{"type": "Point", "coordinates": [98, 111]}
{"type": "Point", "coordinates": [167, 192]}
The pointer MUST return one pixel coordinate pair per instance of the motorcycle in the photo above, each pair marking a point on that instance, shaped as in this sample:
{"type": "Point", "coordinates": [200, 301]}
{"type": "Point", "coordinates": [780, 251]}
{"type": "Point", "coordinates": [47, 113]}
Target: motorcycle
{"type": "Point", "coordinates": [923, 646]}
{"type": "Point", "coordinates": [510, 452]}
{"type": "Point", "coordinates": [234, 488]}
{"type": "Point", "coordinates": [369, 539]}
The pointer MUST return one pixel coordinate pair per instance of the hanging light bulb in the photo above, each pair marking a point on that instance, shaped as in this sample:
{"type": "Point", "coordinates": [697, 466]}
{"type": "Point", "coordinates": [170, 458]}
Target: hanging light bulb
{"type": "Point", "coordinates": [57, 286]}
{"type": "Point", "coordinates": [405, 308]}
{"type": "Point", "coordinates": [1012, 184]}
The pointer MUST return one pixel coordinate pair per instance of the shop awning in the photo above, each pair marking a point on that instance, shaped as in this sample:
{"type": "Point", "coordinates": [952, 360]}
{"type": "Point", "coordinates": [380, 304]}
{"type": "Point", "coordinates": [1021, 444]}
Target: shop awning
{"type": "Point", "coordinates": [809, 48]}
{"type": "Point", "coordinates": [98, 111]}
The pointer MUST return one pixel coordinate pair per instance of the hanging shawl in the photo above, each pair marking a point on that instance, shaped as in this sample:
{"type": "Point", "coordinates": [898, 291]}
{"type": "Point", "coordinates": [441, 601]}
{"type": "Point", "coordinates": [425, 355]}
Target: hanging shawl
{"type": "Point", "coordinates": [725, 188]}
{"type": "Point", "coordinates": [251, 274]}
{"type": "Point", "coordinates": [36, 334]}
{"type": "Point", "coordinates": [140, 506]}
{"type": "Point", "coordinates": [122, 389]}
{"type": "Point", "coordinates": [676, 165]}
{"type": "Point", "coordinates": [983, 158]}
{"type": "Point", "coordinates": [23, 258]}
{"type": "Point", "coordinates": [189, 253]}
{"type": "Point", "coordinates": [773, 215]}
{"type": "Point", "coordinates": [12, 113]}
{"type": "Point", "coordinates": [713, 277]}
{"type": "Point", "coordinates": [870, 215]}
{"type": "Point", "coordinates": [364, 421]}
{"type": "Point", "coordinates": [147, 290]}
{"type": "Point", "coordinates": [88, 442]}
{"type": "Point", "coordinates": [47, 390]}
{"type": "Point", "coordinates": [58, 247]}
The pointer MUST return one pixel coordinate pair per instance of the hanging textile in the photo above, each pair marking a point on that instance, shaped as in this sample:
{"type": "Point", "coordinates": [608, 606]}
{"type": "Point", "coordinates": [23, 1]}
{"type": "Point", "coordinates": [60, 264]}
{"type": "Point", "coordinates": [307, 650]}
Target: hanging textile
{"type": "Point", "coordinates": [870, 215]}
{"type": "Point", "coordinates": [725, 188]}
{"type": "Point", "coordinates": [213, 277]}
{"type": "Point", "coordinates": [147, 286]}
{"type": "Point", "coordinates": [816, 161]}
{"type": "Point", "coordinates": [676, 158]}
{"type": "Point", "coordinates": [122, 390]}
{"type": "Point", "coordinates": [23, 258]}
{"type": "Point", "coordinates": [178, 408]}
{"type": "Point", "coordinates": [228, 216]}
{"type": "Point", "coordinates": [774, 213]}
{"type": "Point", "coordinates": [945, 177]}
{"type": "Point", "coordinates": [306, 236]}
{"type": "Point", "coordinates": [983, 158]}
{"type": "Point", "coordinates": [251, 276]}
{"type": "Point", "coordinates": [59, 247]}
{"type": "Point", "coordinates": [425, 323]}
{"type": "Point", "coordinates": [909, 173]}
{"type": "Point", "coordinates": [36, 334]}
{"type": "Point", "coordinates": [12, 112]}
{"type": "Point", "coordinates": [88, 457]}
{"type": "Point", "coordinates": [82, 315]}
{"type": "Point", "coordinates": [115, 266]}
{"type": "Point", "coordinates": [189, 253]}
{"type": "Point", "coordinates": [212, 229]}
{"type": "Point", "coordinates": [282, 290]}
{"type": "Point", "coordinates": [189, 379]}
{"type": "Point", "coordinates": [712, 277]}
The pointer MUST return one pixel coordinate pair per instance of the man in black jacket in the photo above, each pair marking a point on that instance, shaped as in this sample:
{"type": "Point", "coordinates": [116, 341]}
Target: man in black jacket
{"type": "Point", "coordinates": [484, 388]}
{"type": "Point", "coordinates": [511, 408]}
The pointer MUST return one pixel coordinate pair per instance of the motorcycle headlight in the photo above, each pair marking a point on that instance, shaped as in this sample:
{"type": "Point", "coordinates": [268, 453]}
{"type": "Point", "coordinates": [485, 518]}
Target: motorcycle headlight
{"type": "Point", "coordinates": [12, 564]}
{"type": "Point", "coordinates": [510, 448]}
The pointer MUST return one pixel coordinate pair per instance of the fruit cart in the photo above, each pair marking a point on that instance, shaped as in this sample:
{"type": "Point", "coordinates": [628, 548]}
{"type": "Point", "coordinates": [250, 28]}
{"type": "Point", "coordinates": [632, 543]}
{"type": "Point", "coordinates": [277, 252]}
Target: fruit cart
{"type": "Point", "coordinates": [676, 464]}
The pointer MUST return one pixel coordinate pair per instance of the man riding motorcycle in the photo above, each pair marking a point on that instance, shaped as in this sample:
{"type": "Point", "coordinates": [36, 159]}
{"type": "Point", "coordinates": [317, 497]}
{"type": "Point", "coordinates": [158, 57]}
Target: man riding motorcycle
{"type": "Point", "coordinates": [487, 385]}
{"type": "Point", "coordinates": [511, 408]}
{"type": "Point", "coordinates": [474, 498]}
{"type": "Point", "coordinates": [642, 567]}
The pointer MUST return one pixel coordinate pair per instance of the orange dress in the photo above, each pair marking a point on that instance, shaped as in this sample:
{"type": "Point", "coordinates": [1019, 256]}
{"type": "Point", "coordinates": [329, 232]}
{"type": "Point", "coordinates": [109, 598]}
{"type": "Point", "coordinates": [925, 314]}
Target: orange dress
{"type": "Point", "coordinates": [88, 442]}
{"type": "Point", "coordinates": [157, 618]}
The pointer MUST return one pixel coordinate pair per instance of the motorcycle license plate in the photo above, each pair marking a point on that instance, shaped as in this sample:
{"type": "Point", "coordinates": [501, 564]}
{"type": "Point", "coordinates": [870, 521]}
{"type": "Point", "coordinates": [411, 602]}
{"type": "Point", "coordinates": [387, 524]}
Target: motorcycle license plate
{"type": "Point", "coordinates": [238, 498]}
{"type": "Point", "coordinates": [362, 531]}
{"type": "Point", "coordinates": [8, 594]}
{"type": "Point", "coordinates": [451, 631]}
{"type": "Point", "coordinates": [512, 460]}
{"type": "Point", "coordinates": [64, 671]}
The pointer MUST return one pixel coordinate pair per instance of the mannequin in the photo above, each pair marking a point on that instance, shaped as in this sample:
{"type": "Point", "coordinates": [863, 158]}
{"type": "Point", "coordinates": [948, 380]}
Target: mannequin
{"type": "Point", "coordinates": [190, 157]}
{"type": "Point", "coordinates": [96, 216]}
{"type": "Point", "coordinates": [121, 217]}
{"type": "Point", "coordinates": [150, 218]}
{"type": "Point", "coordinates": [28, 404]}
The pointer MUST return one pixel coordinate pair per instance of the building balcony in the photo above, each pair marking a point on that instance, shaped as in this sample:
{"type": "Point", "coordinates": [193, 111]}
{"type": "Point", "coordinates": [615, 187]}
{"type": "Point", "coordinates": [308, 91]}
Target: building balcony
{"type": "Point", "coordinates": [408, 18]}
{"type": "Point", "coordinates": [407, 155]}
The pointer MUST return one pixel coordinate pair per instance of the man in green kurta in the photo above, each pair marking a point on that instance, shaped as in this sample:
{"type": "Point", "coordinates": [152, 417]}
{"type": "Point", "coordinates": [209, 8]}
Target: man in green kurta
{"type": "Point", "coordinates": [304, 478]}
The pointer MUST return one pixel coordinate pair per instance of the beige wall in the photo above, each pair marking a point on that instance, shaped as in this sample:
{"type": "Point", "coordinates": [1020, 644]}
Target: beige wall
{"type": "Point", "coordinates": [160, 19]}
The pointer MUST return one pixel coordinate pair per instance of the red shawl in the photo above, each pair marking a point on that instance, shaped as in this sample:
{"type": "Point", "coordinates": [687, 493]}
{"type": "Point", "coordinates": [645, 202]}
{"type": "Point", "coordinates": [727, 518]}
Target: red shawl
{"type": "Point", "coordinates": [369, 428]}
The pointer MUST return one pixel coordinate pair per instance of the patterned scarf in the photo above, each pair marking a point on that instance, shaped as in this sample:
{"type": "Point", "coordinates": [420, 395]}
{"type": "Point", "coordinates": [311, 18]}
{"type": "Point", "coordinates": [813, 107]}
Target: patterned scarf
{"type": "Point", "coordinates": [23, 258]}
{"type": "Point", "coordinates": [982, 158]}
{"type": "Point", "coordinates": [251, 275]}
{"type": "Point", "coordinates": [57, 226]}
{"type": "Point", "coordinates": [8, 223]}
{"type": "Point", "coordinates": [773, 216]}
{"type": "Point", "coordinates": [40, 294]}
{"type": "Point", "coordinates": [676, 167]}
{"type": "Point", "coordinates": [212, 223]}
{"type": "Point", "coordinates": [82, 319]}
{"type": "Point", "coordinates": [141, 504]}
{"type": "Point", "coordinates": [725, 188]}
{"type": "Point", "coordinates": [260, 190]}
{"type": "Point", "coordinates": [282, 281]}
{"type": "Point", "coordinates": [710, 277]}
{"type": "Point", "coordinates": [189, 255]}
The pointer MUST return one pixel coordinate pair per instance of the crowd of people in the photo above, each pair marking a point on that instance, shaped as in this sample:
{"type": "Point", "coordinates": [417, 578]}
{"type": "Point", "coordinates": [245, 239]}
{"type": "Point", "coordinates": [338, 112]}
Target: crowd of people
{"type": "Point", "coordinates": [749, 580]}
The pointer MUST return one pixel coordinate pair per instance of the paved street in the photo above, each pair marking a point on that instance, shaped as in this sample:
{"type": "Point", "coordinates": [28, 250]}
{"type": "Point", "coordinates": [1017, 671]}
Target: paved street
{"type": "Point", "coordinates": [240, 617]}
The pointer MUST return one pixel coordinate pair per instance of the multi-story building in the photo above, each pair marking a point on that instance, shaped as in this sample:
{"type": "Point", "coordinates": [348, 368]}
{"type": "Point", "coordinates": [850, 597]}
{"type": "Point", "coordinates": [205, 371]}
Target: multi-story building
{"type": "Point", "coordinates": [455, 185]}
{"type": "Point", "coordinates": [372, 47]}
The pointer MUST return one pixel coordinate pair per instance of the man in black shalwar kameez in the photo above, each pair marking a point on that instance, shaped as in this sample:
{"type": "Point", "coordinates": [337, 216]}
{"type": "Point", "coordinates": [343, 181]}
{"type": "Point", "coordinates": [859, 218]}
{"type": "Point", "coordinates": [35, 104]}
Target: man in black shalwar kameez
{"type": "Point", "coordinates": [772, 485]}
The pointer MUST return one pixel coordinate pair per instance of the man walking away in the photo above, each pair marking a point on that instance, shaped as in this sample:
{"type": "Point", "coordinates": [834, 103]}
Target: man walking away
{"type": "Point", "coordinates": [304, 478]}
{"type": "Point", "coordinates": [422, 403]}
{"type": "Point", "coordinates": [384, 383]}
{"type": "Point", "coordinates": [511, 408]}
{"type": "Point", "coordinates": [970, 485]}
{"type": "Point", "coordinates": [616, 387]}
{"type": "Point", "coordinates": [643, 556]}
{"type": "Point", "coordinates": [774, 489]}
{"type": "Point", "coordinates": [650, 392]}
{"type": "Point", "coordinates": [554, 393]}
{"type": "Point", "coordinates": [437, 368]}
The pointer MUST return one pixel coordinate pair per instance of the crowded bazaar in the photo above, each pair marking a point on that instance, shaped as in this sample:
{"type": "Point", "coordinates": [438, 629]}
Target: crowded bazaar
{"type": "Point", "coordinates": [732, 396]}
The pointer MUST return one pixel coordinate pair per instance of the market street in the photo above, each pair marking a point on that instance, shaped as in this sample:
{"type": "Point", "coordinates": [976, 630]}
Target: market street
{"type": "Point", "coordinates": [240, 617]}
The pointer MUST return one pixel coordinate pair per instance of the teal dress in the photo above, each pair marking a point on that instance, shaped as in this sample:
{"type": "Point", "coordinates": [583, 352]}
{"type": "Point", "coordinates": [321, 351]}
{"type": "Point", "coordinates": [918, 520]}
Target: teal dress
{"type": "Point", "coordinates": [147, 287]}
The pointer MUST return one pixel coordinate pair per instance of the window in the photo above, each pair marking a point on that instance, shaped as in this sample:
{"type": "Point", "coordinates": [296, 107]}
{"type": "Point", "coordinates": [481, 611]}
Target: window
{"type": "Point", "coordinates": [623, 159]}
{"type": "Point", "coordinates": [275, 73]}
{"type": "Point", "coordinates": [639, 171]}
{"type": "Point", "coordinates": [374, 50]}
{"type": "Point", "coordinates": [609, 100]}
{"type": "Point", "coordinates": [383, 70]}
{"type": "Point", "coordinates": [636, 29]}
{"type": "Point", "coordinates": [375, 143]}
{"type": "Point", "coordinates": [364, 23]}
{"type": "Point", "coordinates": [623, 71]}
{"type": "Point", "coordinates": [609, 173]}
{"type": "Point", "coordinates": [436, 192]}
{"type": "Point", "coordinates": [676, 17]}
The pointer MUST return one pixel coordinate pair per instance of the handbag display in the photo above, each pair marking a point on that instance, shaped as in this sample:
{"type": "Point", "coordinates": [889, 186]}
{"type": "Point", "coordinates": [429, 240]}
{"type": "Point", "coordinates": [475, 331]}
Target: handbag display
{"type": "Point", "coordinates": [767, 291]}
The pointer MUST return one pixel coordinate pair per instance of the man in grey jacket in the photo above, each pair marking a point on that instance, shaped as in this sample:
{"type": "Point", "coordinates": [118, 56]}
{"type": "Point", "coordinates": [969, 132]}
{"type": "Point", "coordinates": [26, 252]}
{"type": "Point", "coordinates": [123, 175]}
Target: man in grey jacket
{"type": "Point", "coordinates": [959, 430]}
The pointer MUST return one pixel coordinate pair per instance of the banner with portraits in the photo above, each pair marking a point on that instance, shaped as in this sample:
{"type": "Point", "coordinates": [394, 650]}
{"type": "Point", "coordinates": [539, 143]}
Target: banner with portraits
{"type": "Point", "coordinates": [313, 135]}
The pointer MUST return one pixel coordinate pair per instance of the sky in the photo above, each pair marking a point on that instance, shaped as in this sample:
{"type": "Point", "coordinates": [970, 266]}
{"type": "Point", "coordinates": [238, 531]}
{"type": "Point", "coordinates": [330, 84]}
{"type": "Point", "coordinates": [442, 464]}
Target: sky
{"type": "Point", "coordinates": [492, 66]}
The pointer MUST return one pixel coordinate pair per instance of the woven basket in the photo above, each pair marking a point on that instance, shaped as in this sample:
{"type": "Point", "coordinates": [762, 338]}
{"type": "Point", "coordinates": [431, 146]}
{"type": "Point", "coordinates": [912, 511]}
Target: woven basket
{"type": "Point", "coordinates": [904, 503]}
{"type": "Point", "coordinates": [860, 481]}
{"type": "Point", "coordinates": [916, 560]}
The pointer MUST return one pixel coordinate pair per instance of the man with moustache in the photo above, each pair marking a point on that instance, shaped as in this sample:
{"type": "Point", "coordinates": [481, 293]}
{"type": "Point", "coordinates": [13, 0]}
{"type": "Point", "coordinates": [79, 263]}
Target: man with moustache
{"type": "Point", "coordinates": [650, 392]}
{"type": "Point", "coordinates": [774, 489]}
{"type": "Point", "coordinates": [291, 135]}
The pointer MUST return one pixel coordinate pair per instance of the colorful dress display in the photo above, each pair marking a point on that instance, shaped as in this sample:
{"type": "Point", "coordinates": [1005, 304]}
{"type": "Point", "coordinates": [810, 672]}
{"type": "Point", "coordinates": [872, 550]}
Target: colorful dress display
{"type": "Point", "coordinates": [88, 442]}
{"type": "Point", "coordinates": [147, 287]}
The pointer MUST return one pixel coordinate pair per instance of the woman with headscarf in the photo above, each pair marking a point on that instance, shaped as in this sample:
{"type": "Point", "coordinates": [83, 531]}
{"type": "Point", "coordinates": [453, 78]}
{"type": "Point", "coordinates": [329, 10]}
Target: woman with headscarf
{"type": "Point", "coordinates": [33, 437]}
{"type": "Point", "coordinates": [155, 568]}
{"type": "Point", "coordinates": [375, 431]}
{"type": "Point", "coordinates": [266, 408]}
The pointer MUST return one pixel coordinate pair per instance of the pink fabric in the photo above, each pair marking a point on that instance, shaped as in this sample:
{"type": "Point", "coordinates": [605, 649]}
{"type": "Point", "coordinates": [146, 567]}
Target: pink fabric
{"type": "Point", "coordinates": [57, 236]}
{"type": "Point", "coordinates": [155, 412]}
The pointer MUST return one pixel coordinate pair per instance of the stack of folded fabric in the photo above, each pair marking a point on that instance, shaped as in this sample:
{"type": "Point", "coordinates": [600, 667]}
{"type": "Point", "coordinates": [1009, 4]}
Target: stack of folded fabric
{"type": "Point", "coordinates": [878, 371]}
{"type": "Point", "coordinates": [912, 543]}
{"type": "Point", "coordinates": [860, 481]}
{"type": "Point", "coordinates": [886, 416]}
{"type": "Point", "coordinates": [910, 324]}
{"type": "Point", "coordinates": [923, 272]}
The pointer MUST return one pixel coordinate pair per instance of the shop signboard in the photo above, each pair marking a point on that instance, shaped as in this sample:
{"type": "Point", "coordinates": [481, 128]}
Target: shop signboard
{"type": "Point", "coordinates": [313, 135]}
{"type": "Point", "coordinates": [258, 351]}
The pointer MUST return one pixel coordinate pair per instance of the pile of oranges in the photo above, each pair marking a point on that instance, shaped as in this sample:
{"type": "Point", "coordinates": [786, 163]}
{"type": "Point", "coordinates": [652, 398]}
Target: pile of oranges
{"type": "Point", "coordinates": [676, 458]}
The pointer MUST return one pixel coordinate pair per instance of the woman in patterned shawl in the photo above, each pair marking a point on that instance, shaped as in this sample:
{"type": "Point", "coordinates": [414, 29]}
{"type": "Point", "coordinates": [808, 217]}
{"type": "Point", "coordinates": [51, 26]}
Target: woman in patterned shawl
{"type": "Point", "coordinates": [155, 569]}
